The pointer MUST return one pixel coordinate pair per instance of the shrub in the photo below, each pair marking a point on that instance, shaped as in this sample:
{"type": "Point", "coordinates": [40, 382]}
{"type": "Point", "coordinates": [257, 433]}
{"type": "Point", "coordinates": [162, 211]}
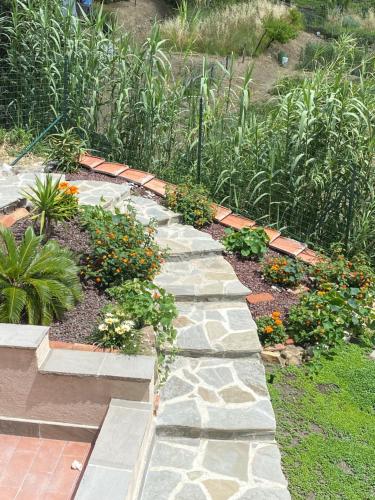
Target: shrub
{"type": "Point", "coordinates": [248, 242]}
{"type": "Point", "coordinates": [147, 304]}
{"type": "Point", "coordinates": [122, 248]}
{"type": "Point", "coordinates": [192, 203]}
{"type": "Point", "coordinates": [37, 283]}
{"type": "Point", "coordinates": [323, 319]}
{"type": "Point", "coordinates": [64, 148]}
{"type": "Point", "coordinates": [52, 201]}
{"type": "Point", "coordinates": [271, 329]}
{"type": "Point", "coordinates": [283, 271]}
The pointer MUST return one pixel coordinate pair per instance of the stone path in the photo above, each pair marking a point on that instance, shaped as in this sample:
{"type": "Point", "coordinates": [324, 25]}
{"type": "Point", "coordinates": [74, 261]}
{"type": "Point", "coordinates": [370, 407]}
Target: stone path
{"type": "Point", "coordinates": [215, 425]}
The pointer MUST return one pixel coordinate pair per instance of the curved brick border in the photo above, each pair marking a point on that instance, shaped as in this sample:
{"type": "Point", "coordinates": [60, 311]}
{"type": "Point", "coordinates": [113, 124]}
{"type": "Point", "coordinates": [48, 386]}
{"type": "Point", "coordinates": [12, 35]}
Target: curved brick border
{"type": "Point", "coordinates": [222, 215]}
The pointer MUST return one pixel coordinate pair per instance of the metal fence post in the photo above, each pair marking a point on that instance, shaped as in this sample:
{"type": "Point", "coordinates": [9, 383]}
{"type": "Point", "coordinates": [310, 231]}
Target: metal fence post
{"type": "Point", "coordinates": [64, 109]}
{"type": "Point", "coordinates": [200, 140]}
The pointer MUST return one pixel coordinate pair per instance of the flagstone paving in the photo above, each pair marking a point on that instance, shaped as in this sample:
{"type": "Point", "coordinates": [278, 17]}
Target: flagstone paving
{"type": "Point", "coordinates": [185, 242]}
{"type": "Point", "coordinates": [148, 210]}
{"type": "Point", "coordinates": [207, 469]}
{"type": "Point", "coordinates": [222, 329]}
{"type": "Point", "coordinates": [217, 398]}
{"type": "Point", "coordinates": [100, 193]}
{"type": "Point", "coordinates": [201, 278]}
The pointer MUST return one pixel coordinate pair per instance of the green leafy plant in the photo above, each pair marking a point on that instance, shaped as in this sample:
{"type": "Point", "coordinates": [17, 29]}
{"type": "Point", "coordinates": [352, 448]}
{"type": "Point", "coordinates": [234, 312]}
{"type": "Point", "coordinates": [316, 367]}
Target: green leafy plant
{"type": "Point", "coordinates": [52, 201]}
{"type": "Point", "coordinates": [147, 304]}
{"type": "Point", "coordinates": [271, 329]}
{"type": "Point", "coordinates": [117, 330]}
{"type": "Point", "coordinates": [283, 271]}
{"type": "Point", "coordinates": [37, 283]}
{"type": "Point", "coordinates": [192, 202]}
{"type": "Point", "coordinates": [122, 248]}
{"type": "Point", "coordinates": [64, 148]}
{"type": "Point", "coordinates": [248, 242]}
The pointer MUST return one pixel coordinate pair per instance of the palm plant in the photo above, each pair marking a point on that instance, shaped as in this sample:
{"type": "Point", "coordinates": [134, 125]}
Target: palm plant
{"type": "Point", "coordinates": [37, 283]}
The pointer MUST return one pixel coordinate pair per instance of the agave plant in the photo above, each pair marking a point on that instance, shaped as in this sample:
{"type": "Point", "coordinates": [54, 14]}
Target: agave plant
{"type": "Point", "coordinates": [37, 283]}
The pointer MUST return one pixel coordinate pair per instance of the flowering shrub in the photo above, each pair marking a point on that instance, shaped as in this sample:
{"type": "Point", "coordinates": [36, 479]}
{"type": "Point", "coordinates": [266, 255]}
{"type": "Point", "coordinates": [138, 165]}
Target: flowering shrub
{"type": "Point", "coordinates": [117, 330]}
{"type": "Point", "coordinates": [122, 248]}
{"type": "Point", "coordinates": [324, 318]}
{"type": "Point", "coordinates": [192, 202]}
{"type": "Point", "coordinates": [249, 242]}
{"type": "Point", "coordinates": [283, 271]}
{"type": "Point", "coordinates": [147, 304]}
{"type": "Point", "coordinates": [271, 329]}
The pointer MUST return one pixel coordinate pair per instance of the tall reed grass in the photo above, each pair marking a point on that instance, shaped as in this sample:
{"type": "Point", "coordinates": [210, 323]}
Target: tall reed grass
{"type": "Point", "coordinates": [299, 164]}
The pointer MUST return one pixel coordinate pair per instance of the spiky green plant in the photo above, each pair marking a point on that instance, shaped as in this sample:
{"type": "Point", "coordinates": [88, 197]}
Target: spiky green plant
{"type": "Point", "coordinates": [37, 283]}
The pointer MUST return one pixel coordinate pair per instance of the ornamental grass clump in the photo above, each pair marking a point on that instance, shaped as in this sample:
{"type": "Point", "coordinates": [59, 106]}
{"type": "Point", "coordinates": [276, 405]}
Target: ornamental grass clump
{"type": "Point", "coordinates": [122, 248]}
{"type": "Point", "coordinates": [38, 283]}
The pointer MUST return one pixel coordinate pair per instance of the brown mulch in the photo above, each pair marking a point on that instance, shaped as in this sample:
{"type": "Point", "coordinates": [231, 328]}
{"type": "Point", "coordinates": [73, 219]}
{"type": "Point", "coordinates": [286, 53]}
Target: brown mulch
{"type": "Point", "coordinates": [249, 273]}
{"type": "Point", "coordinates": [78, 324]}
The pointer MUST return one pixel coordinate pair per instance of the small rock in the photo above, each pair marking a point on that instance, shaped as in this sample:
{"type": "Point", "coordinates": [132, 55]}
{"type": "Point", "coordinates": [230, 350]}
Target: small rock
{"type": "Point", "coordinates": [293, 355]}
{"type": "Point", "coordinates": [289, 341]}
{"type": "Point", "coordinates": [276, 288]}
{"type": "Point", "coordinates": [299, 290]}
{"type": "Point", "coordinates": [76, 465]}
{"type": "Point", "coordinates": [271, 357]}
{"type": "Point", "coordinates": [372, 355]}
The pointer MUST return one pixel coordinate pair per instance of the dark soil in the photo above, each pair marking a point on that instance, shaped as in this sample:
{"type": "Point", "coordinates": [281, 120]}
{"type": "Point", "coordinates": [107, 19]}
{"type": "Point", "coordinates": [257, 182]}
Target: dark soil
{"type": "Point", "coordinates": [249, 273]}
{"type": "Point", "coordinates": [77, 324]}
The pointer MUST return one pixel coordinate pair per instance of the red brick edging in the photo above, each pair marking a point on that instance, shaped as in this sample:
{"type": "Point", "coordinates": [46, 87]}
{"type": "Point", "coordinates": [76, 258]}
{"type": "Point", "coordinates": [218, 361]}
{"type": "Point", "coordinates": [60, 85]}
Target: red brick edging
{"type": "Point", "coordinates": [222, 215]}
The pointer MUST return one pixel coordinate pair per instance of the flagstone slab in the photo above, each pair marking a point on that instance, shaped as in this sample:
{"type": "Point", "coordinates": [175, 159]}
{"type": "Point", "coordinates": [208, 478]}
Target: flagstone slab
{"type": "Point", "coordinates": [101, 193]}
{"type": "Point", "coordinates": [216, 398]}
{"type": "Point", "coordinates": [205, 278]}
{"type": "Point", "coordinates": [208, 469]}
{"type": "Point", "coordinates": [222, 329]}
{"type": "Point", "coordinates": [186, 242]}
{"type": "Point", "coordinates": [147, 210]}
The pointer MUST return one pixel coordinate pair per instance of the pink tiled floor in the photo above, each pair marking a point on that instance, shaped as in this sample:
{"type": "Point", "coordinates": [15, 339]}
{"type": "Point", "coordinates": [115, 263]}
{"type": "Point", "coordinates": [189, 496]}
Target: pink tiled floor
{"type": "Point", "coordinates": [39, 469]}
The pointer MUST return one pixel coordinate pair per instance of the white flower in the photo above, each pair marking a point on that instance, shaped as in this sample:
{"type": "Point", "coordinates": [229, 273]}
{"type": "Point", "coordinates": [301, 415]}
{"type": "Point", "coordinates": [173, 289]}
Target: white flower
{"type": "Point", "coordinates": [120, 330]}
{"type": "Point", "coordinates": [109, 321]}
{"type": "Point", "coordinates": [103, 327]}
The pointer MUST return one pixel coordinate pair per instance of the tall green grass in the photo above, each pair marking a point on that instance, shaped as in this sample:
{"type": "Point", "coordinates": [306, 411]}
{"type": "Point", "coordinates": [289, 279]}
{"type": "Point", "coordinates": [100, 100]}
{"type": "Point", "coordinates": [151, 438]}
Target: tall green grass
{"type": "Point", "coordinates": [303, 163]}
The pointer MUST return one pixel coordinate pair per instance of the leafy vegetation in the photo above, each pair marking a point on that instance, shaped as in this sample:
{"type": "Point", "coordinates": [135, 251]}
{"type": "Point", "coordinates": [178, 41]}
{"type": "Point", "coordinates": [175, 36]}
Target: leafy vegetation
{"type": "Point", "coordinates": [271, 329]}
{"type": "Point", "coordinates": [122, 248]}
{"type": "Point", "coordinates": [283, 271]}
{"type": "Point", "coordinates": [64, 148]}
{"type": "Point", "coordinates": [52, 201]}
{"type": "Point", "coordinates": [326, 426]}
{"type": "Point", "coordinates": [37, 283]}
{"type": "Point", "coordinates": [248, 242]}
{"type": "Point", "coordinates": [192, 202]}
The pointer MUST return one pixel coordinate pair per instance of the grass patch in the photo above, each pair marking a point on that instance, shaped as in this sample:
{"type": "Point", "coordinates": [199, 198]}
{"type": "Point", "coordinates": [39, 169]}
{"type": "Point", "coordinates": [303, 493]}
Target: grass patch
{"type": "Point", "coordinates": [326, 427]}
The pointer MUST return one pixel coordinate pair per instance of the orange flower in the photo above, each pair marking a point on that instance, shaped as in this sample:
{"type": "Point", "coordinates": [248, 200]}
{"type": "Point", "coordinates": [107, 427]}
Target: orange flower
{"type": "Point", "coordinates": [118, 270]}
{"type": "Point", "coordinates": [268, 329]}
{"type": "Point", "coordinates": [125, 261]}
{"type": "Point", "coordinates": [98, 280]}
{"type": "Point", "coordinates": [142, 261]}
{"type": "Point", "coordinates": [157, 295]}
{"type": "Point", "coordinates": [63, 185]}
{"type": "Point", "coordinates": [278, 322]}
{"type": "Point", "coordinates": [73, 190]}
{"type": "Point", "coordinates": [149, 252]}
{"type": "Point", "coordinates": [276, 314]}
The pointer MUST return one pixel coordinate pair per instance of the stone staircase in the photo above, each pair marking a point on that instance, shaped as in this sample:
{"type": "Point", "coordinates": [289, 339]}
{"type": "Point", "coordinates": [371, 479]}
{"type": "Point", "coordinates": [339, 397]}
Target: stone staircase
{"type": "Point", "coordinates": [215, 427]}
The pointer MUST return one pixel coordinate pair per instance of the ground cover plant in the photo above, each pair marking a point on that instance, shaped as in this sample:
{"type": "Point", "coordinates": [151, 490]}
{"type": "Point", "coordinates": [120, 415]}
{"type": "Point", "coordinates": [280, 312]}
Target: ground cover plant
{"type": "Point", "coordinates": [248, 242]}
{"type": "Point", "coordinates": [326, 426]}
{"type": "Point", "coordinates": [192, 202]}
{"type": "Point", "coordinates": [271, 329]}
{"type": "Point", "coordinates": [38, 283]}
{"type": "Point", "coordinates": [283, 271]}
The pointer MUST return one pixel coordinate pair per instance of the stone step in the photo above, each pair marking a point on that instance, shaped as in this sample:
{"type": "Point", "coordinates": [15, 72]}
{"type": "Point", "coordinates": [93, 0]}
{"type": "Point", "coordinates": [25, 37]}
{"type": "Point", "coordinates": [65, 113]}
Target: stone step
{"type": "Point", "coordinates": [217, 399]}
{"type": "Point", "coordinates": [184, 242]}
{"type": "Point", "coordinates": [221, 329]}
{"type": "Point", "coordinates": [106, 194]}
{"type": "Point", "coordinates": [117, 463]}
{"type": "Point", "coordinates": [208, 469]}
{"type": "Point", "coordinates": [201, 278]}
{"type": "Point", "coordinates": [147, 210]}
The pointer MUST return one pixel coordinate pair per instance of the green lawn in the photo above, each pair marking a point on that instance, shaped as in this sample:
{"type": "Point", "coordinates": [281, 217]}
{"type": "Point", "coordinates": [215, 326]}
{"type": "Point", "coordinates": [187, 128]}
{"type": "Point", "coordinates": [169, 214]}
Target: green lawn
{"type": "Point", "coordinates": [326, 427]}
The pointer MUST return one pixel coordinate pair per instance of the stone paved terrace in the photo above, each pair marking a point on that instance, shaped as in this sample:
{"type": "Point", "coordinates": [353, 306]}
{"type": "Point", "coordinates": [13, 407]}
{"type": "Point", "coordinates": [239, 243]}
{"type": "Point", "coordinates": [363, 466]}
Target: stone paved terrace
{"type": "Point", "coordinates": [39, 469]}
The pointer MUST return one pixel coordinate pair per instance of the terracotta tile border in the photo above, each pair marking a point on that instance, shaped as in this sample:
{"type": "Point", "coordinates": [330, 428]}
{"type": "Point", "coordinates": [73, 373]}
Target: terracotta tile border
{"type": "Point", "coordinates": [74, 346]}
{"type": "Point", "coordinates": [112, 169]}
{"type": "Point", "coordinates": [9, 219]}
{"type": "Point", "coordinates": [222, 215]}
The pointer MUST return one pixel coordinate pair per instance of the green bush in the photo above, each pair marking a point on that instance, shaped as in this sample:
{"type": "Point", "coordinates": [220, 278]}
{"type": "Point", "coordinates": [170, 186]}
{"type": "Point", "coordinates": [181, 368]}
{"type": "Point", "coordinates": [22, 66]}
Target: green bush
{"type": "Point", "coordinates": [248, 242]}
{"type": "Point", "coordinates": [122, 248]}
{"type": "Point", "coordinates": [147, 304]}
{"type": "Point", "coordinates": [64, 148]}
{"type": "Point", "coordinates": [283, 271]}
{"type": "Point", "coordinates": [192, 202]}
{"type": "Point", "coordinates": [271, 329]}
{"type": "Point", "coordinates": [37, 283]}
{"type": "Point", "coordinates": [52, 202]}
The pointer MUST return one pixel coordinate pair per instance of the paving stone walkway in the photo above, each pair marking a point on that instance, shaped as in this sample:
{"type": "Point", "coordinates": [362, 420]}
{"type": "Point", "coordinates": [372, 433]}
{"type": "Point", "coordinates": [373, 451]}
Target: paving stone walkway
{"type": "Point", "coordinates": [215, 426]}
